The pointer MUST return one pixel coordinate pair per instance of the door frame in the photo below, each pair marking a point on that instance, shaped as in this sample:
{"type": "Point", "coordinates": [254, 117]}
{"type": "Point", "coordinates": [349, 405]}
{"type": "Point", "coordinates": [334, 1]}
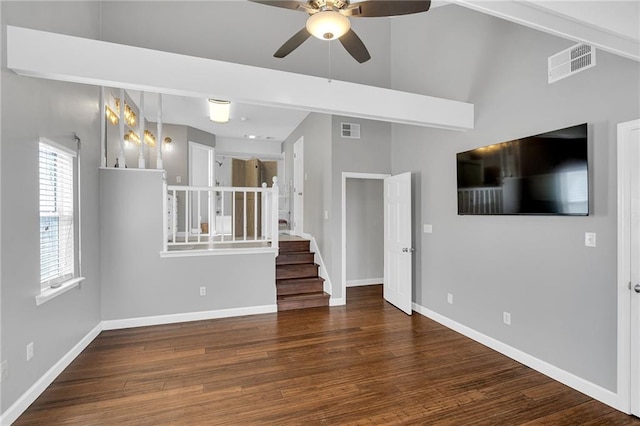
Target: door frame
{"type": "Point", "coordinates": [298, 186]}
{"type": "Point", "coordinates": [624, 165]}
{"type": "Point", "coordinates": [343, 244]}
{"type": "Point", "coordinates": [211, 177]}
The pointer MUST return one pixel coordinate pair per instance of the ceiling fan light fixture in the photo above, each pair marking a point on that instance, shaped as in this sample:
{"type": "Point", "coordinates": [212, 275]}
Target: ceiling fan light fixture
{"type": "Point", "coordinates": [219, 111]}
{"type": "Point", "coordinates": [328, 25]}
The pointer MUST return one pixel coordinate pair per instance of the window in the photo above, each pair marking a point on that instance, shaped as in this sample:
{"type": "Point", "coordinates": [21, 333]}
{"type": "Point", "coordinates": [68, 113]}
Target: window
{"type": "Point", "coordinates": [57, 260]}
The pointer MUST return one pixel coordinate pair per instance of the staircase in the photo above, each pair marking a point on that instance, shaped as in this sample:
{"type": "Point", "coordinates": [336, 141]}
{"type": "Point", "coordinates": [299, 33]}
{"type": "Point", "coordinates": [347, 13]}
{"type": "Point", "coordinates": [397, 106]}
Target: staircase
{"type": "Point", "coordinates": [297, 282]}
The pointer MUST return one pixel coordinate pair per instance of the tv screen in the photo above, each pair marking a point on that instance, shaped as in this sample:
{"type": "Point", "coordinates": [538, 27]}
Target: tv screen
{"type": "Point", "coordinates": [545, 174]}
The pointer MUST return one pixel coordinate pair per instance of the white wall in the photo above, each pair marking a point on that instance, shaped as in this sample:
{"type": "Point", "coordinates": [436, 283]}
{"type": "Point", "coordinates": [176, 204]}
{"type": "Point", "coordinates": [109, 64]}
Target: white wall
{"type": "Point", "coordinates": [54, 110]}
{"type": "Point", "coordinates": [561, 295]}
{"type": "Point", "coordinates": [364, 225]}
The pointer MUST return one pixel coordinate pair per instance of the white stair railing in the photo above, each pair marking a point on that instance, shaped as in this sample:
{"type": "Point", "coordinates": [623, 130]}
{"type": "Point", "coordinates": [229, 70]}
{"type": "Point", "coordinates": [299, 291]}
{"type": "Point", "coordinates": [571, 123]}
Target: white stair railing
{"type": "Point", "coordinates": [209, 217]}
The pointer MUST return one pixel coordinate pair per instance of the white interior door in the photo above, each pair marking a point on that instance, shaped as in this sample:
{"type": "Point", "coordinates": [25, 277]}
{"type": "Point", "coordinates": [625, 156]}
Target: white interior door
{"type": "Point", "coordinates": [635, 268]}
{"type": "Point", "coordinates": [298, 187]}
{"type": "Point", "coordinates": [202, 173]}
{"type": "Point", "coordinates": [398, 252]}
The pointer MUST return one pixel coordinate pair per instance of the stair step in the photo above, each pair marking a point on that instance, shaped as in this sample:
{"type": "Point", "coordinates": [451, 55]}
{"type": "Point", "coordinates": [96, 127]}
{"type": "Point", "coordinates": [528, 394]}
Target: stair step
{"type": "Point", "coordinates": [294, 245]}
{"type": "Point", "coordinates": [301, 301]}
{"type": "Point", "coordinates": [294, 257]}
{"type": "Point", "coordinates": [299, 286]}
{"type": "Point", "coordinates": [304, 270]}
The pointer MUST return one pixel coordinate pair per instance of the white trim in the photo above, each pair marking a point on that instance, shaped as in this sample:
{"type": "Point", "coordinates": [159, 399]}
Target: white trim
{"type": "Point", "coordinates": [624, 264]}
{"type": "Point", "coordinates": [81, 60]}
{"type": "Point", "coordinates": [338, 301]}
{"type": "Point", "coordinates": [51, 293]}
{"type": "Point", "coordinates": [368, 281]}
{"type": "Point", "coordinates": [343, 232]}
{"type": "Point", "coordinates": [185, 317]}
{"type": "Point", "coordinates": [591, 389]}
{"type": "Point", "coordinates": [322, 270]}
{"type": "Point", "coordinates": [17, 408]}
{"type": "Point", "coordinates": [58, 146]}
{"type": "Point", "coordinates": [217, 252]}
{"type": "Point", "coordinates": [127, 169]}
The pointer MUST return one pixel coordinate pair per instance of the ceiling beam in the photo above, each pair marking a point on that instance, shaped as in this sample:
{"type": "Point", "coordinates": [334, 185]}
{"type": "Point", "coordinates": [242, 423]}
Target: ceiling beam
{"type": "Point", "coordinates": [67, 58]}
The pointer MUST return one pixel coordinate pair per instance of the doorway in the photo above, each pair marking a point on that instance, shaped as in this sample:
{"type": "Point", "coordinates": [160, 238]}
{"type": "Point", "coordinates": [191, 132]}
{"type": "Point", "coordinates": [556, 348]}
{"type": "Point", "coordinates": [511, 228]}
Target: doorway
{"type": "Point", "coordinates": [202, 173]}
{"type": "Point", "coordinates": [298, 187]}
{"type": "Point", "coordinates": [348, 179]}
{"type": "Point", "coordinates": [628, 287]}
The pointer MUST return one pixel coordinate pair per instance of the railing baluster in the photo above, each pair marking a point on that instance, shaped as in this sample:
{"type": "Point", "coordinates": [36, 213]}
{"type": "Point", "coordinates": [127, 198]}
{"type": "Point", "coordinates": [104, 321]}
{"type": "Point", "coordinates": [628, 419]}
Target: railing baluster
{"type": "Point", "coordinates": [261, 227]}
{"type": "Point", "coordinates": [186, 216]}
{"type": "Point", "coordinates": [244, 217]}
{"type": "Point", "coordinates": [221, 215]}
{"type": "Point", "coordinates": [174, 218]}
{"type": "Point", "coordinates": [255, 215]}
{"type": "Point", "coordinates": [233, 216]}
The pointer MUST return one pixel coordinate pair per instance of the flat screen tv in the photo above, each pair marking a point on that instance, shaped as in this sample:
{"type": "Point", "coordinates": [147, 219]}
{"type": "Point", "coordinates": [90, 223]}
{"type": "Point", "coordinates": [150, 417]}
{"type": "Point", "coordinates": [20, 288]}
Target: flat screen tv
{"type": "Point", "coordinates": [545, 174]}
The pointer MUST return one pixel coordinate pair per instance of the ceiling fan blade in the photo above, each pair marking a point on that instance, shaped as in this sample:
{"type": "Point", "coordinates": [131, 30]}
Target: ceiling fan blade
{"type": "Point", "coordinates": [377, 8]}
{"type": "Point", "coordinates": [293, 43]}
{"type": "Point", "coordinates": [355, 46]}
{"type": "Point", "coordinates": [286, 4]}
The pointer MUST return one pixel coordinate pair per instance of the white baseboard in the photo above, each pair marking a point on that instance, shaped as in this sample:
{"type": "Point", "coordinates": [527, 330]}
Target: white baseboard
{"type": "Point", "coordinates": [185, 317]}
{"type": "Point", "coordinates": [594, 391]}
{"type": "Point", "coordinates": [337, 301]}
{"type": "Point", "coordinates": [14, 411]}
{"type": "Point", "coordinates": [368, 281]}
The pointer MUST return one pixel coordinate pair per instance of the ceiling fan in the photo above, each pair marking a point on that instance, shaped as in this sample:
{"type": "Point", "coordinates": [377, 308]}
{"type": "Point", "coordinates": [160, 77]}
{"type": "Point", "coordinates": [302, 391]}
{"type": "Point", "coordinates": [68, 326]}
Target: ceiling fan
{"type": "Point", "coordinates": [329, 20]}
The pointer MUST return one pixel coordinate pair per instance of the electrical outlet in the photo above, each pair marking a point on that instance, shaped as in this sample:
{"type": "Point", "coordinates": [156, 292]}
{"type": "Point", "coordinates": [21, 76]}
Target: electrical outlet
{"type": "Point", "coordinates": [29, 351]}
{"type": "Point", "coordinates": [4, 370]}
{"type": "Point", "coordinates": [450, 298]}
{"type": "Point", "coordinates": [203, 291]}
{"type": "Point", "coordinates": [506, 318]}
{"type": "Point", "coordinates": [178, 179]}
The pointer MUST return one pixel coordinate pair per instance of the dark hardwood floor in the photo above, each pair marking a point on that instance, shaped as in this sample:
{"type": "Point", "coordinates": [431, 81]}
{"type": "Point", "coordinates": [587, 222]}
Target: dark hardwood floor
{"type": "Point", "coordinates": [364, 363]}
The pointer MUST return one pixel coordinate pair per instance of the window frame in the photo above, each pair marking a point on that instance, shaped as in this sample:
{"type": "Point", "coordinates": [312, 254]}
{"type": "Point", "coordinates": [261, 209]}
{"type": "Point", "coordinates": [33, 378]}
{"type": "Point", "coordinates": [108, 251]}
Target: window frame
{"type": "Point", "coordinates": [70, 209]}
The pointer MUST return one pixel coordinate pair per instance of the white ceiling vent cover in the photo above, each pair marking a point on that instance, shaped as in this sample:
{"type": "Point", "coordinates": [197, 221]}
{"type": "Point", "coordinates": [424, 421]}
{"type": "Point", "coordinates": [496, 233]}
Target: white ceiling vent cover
{"type": "Point", "coordinates": [350, 130]}
{"type": "Point", "coordinates": [571, 61]}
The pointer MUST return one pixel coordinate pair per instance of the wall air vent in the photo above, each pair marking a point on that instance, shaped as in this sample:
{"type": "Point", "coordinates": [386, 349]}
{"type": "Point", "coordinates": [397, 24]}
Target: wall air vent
{"type": "Point", "coordinates": [350, 130]}
{"type": "Point", "coordinates": [571, 61]}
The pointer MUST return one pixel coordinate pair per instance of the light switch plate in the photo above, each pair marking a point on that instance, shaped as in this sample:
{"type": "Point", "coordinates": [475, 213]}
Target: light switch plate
{"type": "Point", "coordinates": [590, 239]}
{"type": "Point", "coordinates": [428, 229]}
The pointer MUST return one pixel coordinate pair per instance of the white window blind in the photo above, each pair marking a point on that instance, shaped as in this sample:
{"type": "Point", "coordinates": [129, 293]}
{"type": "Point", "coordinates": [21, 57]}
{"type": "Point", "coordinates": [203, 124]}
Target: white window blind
{"type": "Point", "coordinates": [56, 215]}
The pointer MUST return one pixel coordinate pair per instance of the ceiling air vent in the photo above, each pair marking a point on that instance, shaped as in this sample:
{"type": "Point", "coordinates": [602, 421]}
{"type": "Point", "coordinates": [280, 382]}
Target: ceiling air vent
{"type": "Point", "coordinates": [571, 61]}
{"type": "Point", "coordinates": [350, 130]}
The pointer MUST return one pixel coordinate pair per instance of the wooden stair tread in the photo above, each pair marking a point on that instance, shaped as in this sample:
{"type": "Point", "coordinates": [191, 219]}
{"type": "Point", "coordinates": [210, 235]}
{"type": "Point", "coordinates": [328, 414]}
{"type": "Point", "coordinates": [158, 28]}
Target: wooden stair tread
{"type": "Point", "coordinates": [285, 281]}
{"type": "Point", "coordinates": [298, 285]}
{"type": "Point", "coordinates": [319, 294]}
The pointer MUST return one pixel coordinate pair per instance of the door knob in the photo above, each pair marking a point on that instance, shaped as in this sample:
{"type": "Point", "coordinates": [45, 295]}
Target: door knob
{"type": "Point", "coordinates": [637, 288]}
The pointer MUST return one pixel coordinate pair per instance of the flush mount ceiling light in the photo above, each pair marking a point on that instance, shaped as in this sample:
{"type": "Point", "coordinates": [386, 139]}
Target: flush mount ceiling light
{"type": "Point", "coordinates": [328, 25]}
{"type": "Point", "coordinates": [329, 20]}
{"type": "Point", "coordinates": [219, 111]}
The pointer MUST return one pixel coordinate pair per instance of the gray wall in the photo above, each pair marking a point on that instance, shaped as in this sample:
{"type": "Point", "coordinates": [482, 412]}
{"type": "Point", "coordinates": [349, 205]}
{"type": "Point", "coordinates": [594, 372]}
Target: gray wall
{"type": "Point", "coordinates": [137, 282]}
{"type": "Point", "coordinates": [54, 110]}
{"type": "Point", "coordinates": [316, 131]}
{"type": "Point", "coordinates": [561, 295]}
{"type": "Point", "coordinates": [365, 233]}
{"type": "Point", "coordinates": [369, 154]}
{"type": "Point", "coordinates": [326, 156]}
